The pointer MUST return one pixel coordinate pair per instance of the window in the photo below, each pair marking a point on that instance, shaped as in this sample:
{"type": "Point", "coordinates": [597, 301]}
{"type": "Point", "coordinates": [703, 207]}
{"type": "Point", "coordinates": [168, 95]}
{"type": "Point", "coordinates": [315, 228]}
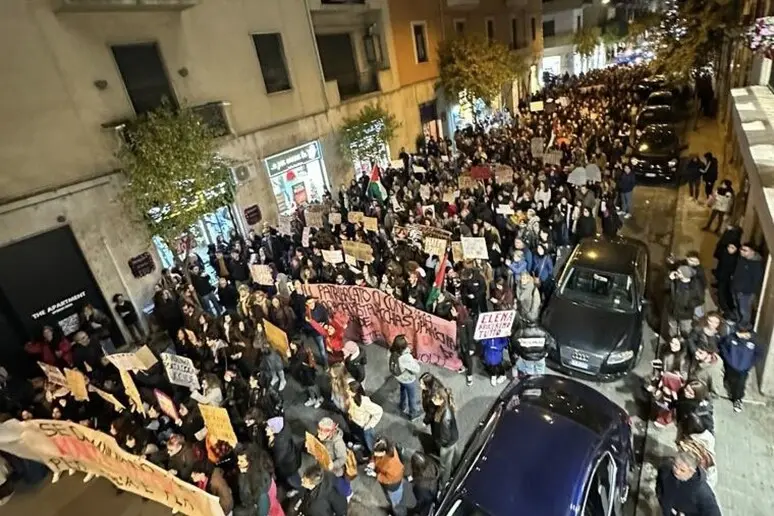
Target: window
{"type": "Point", "coordinates": [419, 31]}
{"type": "Point", "coordinates": [548, 28]}
{"type": "Point", "coordinates": [490, 33]}
{"type": "Point", "coordinates": [599, 289]}
{"type": "Point", "coordinates": [578, 23]}
{"type": "Point", "coordinates": [459, 27]}
{"type": "Point", "coordinates": [534, 29]}
{"type": "Point", "coordinates": [514, 34]}
{"type": "Point", "coordinates": [602, 487]}
{"type": "Point", "coordinates": [144, 76]}
{"type": "Point", "coordinates": [271, 57]}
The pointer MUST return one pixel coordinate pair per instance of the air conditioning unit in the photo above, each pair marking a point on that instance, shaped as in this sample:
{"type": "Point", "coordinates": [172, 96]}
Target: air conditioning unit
{"type": "Point", "coordinates": [243, 173]}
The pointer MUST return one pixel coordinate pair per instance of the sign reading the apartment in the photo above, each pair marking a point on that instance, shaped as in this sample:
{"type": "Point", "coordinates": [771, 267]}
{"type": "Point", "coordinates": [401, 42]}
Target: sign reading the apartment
{"type": "Point", "coordinates": [59, 306]}
{"type": "Point", "coordinates": [293, 158]}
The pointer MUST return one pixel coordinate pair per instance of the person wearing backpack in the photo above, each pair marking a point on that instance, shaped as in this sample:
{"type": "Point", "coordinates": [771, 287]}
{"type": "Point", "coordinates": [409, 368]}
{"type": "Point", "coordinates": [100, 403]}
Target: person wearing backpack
{"type": "Point", "coordinates": [405, 368]}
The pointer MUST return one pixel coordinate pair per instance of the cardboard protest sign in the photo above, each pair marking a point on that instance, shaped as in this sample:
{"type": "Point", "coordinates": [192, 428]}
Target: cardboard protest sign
{"type": "Point", "coordinates": [314, 217]}
{"type": "Point", "coordinates": [431, 231]}
{"type": "Point", "coordinates": [166, 405]}
{"type": "Point", "coordinates": [334, 257]}
{"type": "Point", "coordinates": [334, 219]}
{"type": "Point", "coordinates": [355, 217]}
{"type": "Point", "coordinates": [474, 248]}
{"type": "Point", "coordinates": [126, 362]}
{"type": "Point", "coordinates": [285, 225]}
{"type": "Point", "coordinates": [435, 246]}
{"type": "Point", "coordinates": [262, 274]}
{"type": "Point", "coordinates": [481, 172]}
{"type": "Point", "coordinates": [277, 338]}
{"type": "Point", "coordinates": [76, 382]}
{"type": "Point", "coordinates": [536, 106]}
{"type": "Point", "coordinates": [537, 145]}
{"type": "Point", "coordinates": [424, 192]}
{"type": "Point", "coordinates": [218, 424]}
{"type": "Point", "coordinates": [428, 210]}
{"type": "Point", "coordinates": [504, 209]}
{"type": "Point", "coordinates": [54, 374]}
{"type": "Point", "coordinates": [450, 197]}
{"type": "Point", "coordinates": [131, 391]}
{"type": "Point", "coordinates": [180, 371]}
{"type": "Point", "coordinates": [503, 175]}
{"type": "Point", "coordinates": [371, 224]}
{"type": "Point", "coordinates": [492, 325]}
{"type": "Point", "coordinates": [108, 397]}
{"type": "Point", "coordinates": [380, 318]}
{"type": "Point", "coordinates": [305, 236]}
{"type": "Point", "coordinates": [63, 445]}
{"type": "Point", "coordinates": [466, 181]}
{"type": "Point", "coordinates": [563, 101]}
{"type": "Point", "coordinates": [457, 254]}
{"type": "Point", "coordinates": [350, 260]}
{"type": "Point", "coordinates": [358, 250]}
{"type": "Point", "coordinates": [318, 450]}
{"type": "Point", "coordinates": [146, 357]}
{"type": "Point", "coordinates": [553, 157]}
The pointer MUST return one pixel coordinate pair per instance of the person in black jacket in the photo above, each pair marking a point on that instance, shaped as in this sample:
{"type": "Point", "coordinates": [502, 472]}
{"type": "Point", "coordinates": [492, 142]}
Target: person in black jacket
{"type": "Point", "coordinates": [684, 298]}
{"type": "Point", "coordinates": [681, 488]}
{"type": "Point", "coordinates": [285, 453]}
{"type": "Point", "coordinates": [322, 497]}
{"type": "Point", "coordinates": [129, 316]}
{"type": "Point", "coordinates": [747, 281]}
{"type": "Point", "coordinates": [355, 361]}
{"type": "Point", "coordinates": [709, 174]}
{"type": "Point", "coordinates": [425, 473]}
{"type": "Point", "coordinates": [204, 289]}
{"type": "Point", "coordinates": [443, 428]}
{"type": "Point", "coordinates": [227, 295]}
{"type": "Point", "coordinates": [530, 345]}
{"type": "Point", "coordinates": [693, 171]}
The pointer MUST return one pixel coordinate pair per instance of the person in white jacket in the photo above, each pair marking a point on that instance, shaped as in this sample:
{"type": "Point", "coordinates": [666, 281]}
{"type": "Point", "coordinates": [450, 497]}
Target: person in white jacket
{"type": "Point", "coordinates": [364, 415]}
{"type": "Point", "coordinates": [721, 202]}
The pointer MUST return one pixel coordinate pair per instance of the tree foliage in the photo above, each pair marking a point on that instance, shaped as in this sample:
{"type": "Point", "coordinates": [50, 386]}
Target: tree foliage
{"type": "Point", "coordinates": [612, 34]}
{"type": "Point", "coordinates": [363, 135]}
{"type": "Point", "coordinates": [476, 68]}
{"type": "Point", "coordinates": [586, 40]}
{"type": "Point", "coordinates": [174, 174]}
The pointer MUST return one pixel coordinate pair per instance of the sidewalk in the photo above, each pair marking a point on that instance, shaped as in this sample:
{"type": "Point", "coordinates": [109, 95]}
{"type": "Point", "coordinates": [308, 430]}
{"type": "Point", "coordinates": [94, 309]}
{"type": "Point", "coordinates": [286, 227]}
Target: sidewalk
{"type": "Point", "coordinates": [744, 452]}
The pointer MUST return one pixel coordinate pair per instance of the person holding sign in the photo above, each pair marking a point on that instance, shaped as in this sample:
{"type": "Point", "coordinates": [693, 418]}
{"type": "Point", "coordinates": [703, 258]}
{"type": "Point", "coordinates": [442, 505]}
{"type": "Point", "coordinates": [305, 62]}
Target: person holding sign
{"type": "Point", "coordinates": [329, 433]}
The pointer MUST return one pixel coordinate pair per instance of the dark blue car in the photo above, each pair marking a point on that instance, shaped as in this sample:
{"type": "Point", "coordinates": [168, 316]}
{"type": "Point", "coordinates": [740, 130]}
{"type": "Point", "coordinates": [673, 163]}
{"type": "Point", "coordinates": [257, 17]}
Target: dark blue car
{"type": "Point", "coordinates": [550, 446]}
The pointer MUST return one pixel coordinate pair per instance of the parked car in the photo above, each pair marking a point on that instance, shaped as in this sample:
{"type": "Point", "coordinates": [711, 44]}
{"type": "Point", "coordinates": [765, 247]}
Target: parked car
{"type": "Point", "coordinates": [650, 115]}
{"type": "Point", "coordinates": [661, 98]}
{"type": "Point", "coordinates": [656, 153]}
{"type": "Point", "coordinates": [549, 446]}
{"type": "Point", "coordinates": [597, 310]}
{"type": "Point", "coordinates": [649, 84]}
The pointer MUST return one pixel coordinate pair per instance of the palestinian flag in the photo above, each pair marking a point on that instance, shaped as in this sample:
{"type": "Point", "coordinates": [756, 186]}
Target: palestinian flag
{"type": "Point", "coordinates": [438, 283]}
{"type": "Point", "coordinates": [375, 187]}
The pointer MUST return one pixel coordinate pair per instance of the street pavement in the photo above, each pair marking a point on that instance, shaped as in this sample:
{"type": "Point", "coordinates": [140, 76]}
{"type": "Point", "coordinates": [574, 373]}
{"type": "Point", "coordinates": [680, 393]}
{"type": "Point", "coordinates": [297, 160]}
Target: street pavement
{"type": "Point", "coordinates": [744, 453]}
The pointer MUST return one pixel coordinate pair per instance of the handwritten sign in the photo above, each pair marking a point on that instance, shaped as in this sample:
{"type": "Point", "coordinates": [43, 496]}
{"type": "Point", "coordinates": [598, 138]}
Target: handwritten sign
{"type": "Point", "coordinates": [424, 192]}
{"type": "Point", "coordinates": [371, 224]}
{"type": "Point", "coordinates": [314, 218]}
{"type": "Point", "coordinates": [358, 250]}
{"type": "Point", "coordinates": [553, 157]}
{"type": "Point", "coordinates": [474, 248]}
{"type": "Point", "coordinates": [126, 362]}
{"type": "Point", "coordinates": [536, 107]}
{"type": "Point", "coordinates": [466, 182]}
{"type": "Point", "coordinates": [318, 450]}
{"type": "Point", "coordinates": [537, 145]}
{"type": "Point", "coordinates": [63, 446]}
{"type": "Point", "coordinates": [493, 325]}
{"type": "Point", "coordinates": [350, 260]}
{"type": "Point", "coordinates": [180, 371]}
{"type": "Point", "coordinates": [457, 254]}
{"type": "Point", "coordinates": [146, 357]}
{"type": "Point", "coordinates": [504, 209]}
{"type": "Point", "coordinates": [218, 424]}
{"type": "Point", "coordinates": [277, 338]}
{"type": "Point", "coordinates": [117, 405]}
{"type": "Point", "coordinates": [285, 225]}
{"type": "Point", "coordinates": [435, 246]}
{"type": "Point", "coordinates": [305, 235]}
{"type": "Point", "coordinates": [53, 374]}
{"type": "Point", "coordinates": [380, 318]}
{"type": "Point", "coordinates": [503, 175]}
{"type": "Point", "coordinates": [450, 197]}
{"type": "Point", "coordinates": [334, 219]}
{"type": "Point", "coordinates": [355, 217]}
{"type": "Point", "coordinates": [334, 257]}
{"type": "Point", "coordinates": [262, 274]}
{"type": "Point", "coordinates": [131, 391]}
{"type": "Point", "coordinates": [76, 382]}
{"type": "Point", "coordinates": [166, 405]}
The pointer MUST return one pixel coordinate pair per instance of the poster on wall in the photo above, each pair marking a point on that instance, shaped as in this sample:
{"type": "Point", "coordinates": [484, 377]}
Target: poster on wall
{"type": "Point", "coordinates": [297, 176]}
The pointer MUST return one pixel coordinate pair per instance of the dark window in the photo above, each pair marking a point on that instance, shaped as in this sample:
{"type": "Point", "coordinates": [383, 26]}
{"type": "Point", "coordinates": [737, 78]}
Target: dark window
{"type": "Point", "coordinates": [144, 76]}
{"type": "Point", "coordinates": [420, 42]}
{"type": "Point", "coordinates": [548, 28]}
{"type": "Point", "coordinates": [534, 29]}
{"type": "Point", "coordinates": [271, 57]}
{"type": "Point", "coordinates": [578, 23]}
{"type": "Point", "coordinates": [459, 27]}
{"type": "Point", "coordinates": [490, 30]}
{"type": "Point", "coordinates": [514, 34]}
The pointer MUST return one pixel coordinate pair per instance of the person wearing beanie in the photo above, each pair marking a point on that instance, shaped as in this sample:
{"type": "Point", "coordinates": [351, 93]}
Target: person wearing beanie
{"type": "Point", "coordinates": [285, 453]}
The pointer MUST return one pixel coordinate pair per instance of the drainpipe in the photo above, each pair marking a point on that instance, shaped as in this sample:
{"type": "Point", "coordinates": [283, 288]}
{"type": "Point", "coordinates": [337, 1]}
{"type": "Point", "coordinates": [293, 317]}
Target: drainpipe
{"type": "Point", "coordinates": [443, 24]}
{"type": "Point", "coordinates": [317, 55]}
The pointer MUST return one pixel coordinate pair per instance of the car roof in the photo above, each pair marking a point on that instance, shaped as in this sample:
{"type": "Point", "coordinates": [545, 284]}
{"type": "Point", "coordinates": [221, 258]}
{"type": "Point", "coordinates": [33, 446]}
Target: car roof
{"type": "Point", "coordinates": [658, 107]}
{"type": "Point", "coordinates": [616, 255]}
{"type": "Point", "coordinates": [653, 129]}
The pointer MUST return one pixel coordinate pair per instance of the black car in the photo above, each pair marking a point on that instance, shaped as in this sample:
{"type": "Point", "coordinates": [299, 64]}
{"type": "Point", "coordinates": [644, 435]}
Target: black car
{"type": "Point", "coordinates": [656, 153]}
{"type": "Point", "coordinates": [597, 310]}
{"type": "Point", "coordinates": [654, 115]}
{"type": "Point", "coordinates": [661, 98]}
{"type": "Point", "coordinates": [649, 85]}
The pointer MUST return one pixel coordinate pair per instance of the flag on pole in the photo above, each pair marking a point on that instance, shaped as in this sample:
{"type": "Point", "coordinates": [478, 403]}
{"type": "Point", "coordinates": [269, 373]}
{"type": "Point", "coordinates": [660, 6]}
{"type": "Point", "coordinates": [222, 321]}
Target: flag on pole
{"type": "Point", "coordinates": [375, 187]}
{"type": "Point", "coordinates": [438, 283]}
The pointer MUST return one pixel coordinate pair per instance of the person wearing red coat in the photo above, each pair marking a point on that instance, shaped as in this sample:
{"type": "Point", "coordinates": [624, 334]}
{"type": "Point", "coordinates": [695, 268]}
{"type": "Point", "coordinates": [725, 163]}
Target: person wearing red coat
{"type": "Point", "coordinates": [53, 349]}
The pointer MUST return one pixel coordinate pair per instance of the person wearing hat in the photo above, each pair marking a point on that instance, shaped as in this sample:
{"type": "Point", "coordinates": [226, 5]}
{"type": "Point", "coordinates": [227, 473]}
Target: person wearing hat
{"type": "Point", "coordinates": [684, 298]}
{"type": "Point", "coordinates": [329, 433]}
{"type": "Point", "coordinates": [285, 453]}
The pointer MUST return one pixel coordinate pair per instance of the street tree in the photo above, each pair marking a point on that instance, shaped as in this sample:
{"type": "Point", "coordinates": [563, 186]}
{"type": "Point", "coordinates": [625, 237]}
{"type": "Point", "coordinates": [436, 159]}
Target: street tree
{"type": "Point", "coordinates": [174, 176]}
{"type": "Point", "coordinates": [363, 135]}
{"type": "Point", "coordinates": [473, 68]}
{"type": "Point", "coordinates": [586, 40]}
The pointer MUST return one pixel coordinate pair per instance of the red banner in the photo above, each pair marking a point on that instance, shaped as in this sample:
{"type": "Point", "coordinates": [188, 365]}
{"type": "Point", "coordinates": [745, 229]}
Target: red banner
{"type": "Point", "coordinates": [379, 318]}
{"type": "Point", "coordinates": [481, 172]}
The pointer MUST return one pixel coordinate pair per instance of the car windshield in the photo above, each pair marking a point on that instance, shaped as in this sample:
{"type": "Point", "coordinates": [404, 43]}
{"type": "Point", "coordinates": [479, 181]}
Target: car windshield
{"type": "Point", "coordinates": [656, 139]}
{"type": "Point", "coordinates": [654, 116]}
{"type": "Point", "coordinates": [599, 289]}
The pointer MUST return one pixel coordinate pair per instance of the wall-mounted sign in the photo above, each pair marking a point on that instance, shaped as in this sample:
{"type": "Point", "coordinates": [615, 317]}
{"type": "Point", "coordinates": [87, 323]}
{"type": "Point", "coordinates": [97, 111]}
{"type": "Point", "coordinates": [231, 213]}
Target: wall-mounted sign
{"type": "Point", "coordinates": [142, 265]}
{"type": "Point", "coordinates": [253, 215]}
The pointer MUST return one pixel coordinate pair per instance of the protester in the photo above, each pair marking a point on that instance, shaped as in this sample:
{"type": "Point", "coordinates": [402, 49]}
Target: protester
{"type": "Point", "coordinates": [740, 351]}
{"type": "Point", "coordinates": [747, 281]}
{"type": "Point", "coordinates": [405, 368]}
{"type": "Point", "coordinates": [388, 469]}
{"type": "Point", "coordinates": [681, 488]}
{"type": "Point", "coordinates": [322, 497]}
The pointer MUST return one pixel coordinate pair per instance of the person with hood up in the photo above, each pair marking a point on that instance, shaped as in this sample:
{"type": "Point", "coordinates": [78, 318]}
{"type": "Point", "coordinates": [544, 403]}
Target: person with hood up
{"type": "Point", "coordinates": [322, 496]}
{"type": "Point", "coordinates": [740, 351]}
{"type": "Point", "coordinates": [684, 298]}
{"type": "Point", "coordinates": [527, 298]}
{"type": "Point", "coordinates": [746, 283]}
{"type": "Point", "coordinates": [405, 368]}
{"type": "Point", "coordinates": [492, 356]}
{"type": "Point", "coordinates": [530, 345]}
{"type": "Point", "coordinates": [332, 437]}
{"type": "Point", "coordinates": [681, 488]}
{"type": "Point", "coordinates": [285, 454]}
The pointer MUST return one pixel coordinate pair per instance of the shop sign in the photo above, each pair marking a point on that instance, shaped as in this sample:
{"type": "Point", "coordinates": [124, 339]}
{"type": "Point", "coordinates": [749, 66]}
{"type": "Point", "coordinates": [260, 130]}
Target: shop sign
{"type": "Point", "coordinates": [292, 158]}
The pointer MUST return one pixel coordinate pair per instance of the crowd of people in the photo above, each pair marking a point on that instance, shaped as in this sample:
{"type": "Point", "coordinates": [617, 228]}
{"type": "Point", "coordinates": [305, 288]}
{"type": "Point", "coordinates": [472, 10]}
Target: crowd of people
{"type": "Point", "coordinates": [213, 312]}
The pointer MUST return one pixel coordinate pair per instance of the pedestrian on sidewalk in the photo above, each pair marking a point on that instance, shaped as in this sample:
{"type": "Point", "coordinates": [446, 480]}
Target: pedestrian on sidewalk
{"type": "Point", "coordinates": [693, 170]}
{"type": "Point", "coordinates": [721, 203]}
{"type": "Point", "coordinates": [740, 351]}
{"type": "Point", "coordinates": [405, 368]}
{"type": "Point", "coordinates": [727, 258]}
{"type": "Point", "coordinates": [699, 441]}
{"type": "Point", "coordinates": [625, 186]}
{"type": "Point", "coordinates": [682, 489]}
{"type": "Point", "coordinates": [748, 278]}
{"type": "Point", "coordinates": [707, 367]}
{"type": "Point", "coordinates": [709, 174]}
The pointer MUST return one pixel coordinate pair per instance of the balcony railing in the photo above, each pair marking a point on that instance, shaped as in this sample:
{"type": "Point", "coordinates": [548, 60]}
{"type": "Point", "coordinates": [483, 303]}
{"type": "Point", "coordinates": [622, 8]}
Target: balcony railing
{"type": "Point", "coordinates": [125, 5]}
{"type": "Point", "coordinates": [357, 83]}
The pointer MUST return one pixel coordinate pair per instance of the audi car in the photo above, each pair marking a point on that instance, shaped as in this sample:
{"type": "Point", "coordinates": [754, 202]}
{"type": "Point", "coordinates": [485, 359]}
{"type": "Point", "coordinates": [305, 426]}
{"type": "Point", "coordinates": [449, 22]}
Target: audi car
{"type": "Point", "coordinates": [656, 153]}
{"type": "Point", "coordinates": [549, 446]}
{"type": "Point", "coordinates": [597, 311]}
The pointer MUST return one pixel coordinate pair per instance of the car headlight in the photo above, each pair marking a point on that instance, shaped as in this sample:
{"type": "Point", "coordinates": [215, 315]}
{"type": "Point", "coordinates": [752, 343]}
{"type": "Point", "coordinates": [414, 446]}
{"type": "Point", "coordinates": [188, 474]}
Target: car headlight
{"type": "Point", "coordinates": [619, 357]}
{"type": "Point", "coordinates": [672, 163]}
{"type": "Point", "coordinates": [635, 161]}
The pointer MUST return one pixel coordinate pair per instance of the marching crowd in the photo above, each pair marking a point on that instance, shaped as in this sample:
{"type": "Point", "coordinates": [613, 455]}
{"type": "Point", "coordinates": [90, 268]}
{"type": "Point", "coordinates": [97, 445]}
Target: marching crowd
{"type": "Point", "coordinates": [213, 312]}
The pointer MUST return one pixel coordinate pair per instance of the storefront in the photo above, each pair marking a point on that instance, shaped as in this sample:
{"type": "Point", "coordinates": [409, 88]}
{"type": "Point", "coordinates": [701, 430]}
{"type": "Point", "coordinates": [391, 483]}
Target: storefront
{"type": "Point", "coordinates": [297, 176]}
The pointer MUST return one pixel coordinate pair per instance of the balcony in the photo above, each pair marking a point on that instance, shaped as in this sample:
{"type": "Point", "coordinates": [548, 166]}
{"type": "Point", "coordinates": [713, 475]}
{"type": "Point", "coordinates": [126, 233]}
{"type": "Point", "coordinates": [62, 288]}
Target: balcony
{"type": "Point", "coordinates": [125, 5]}
{"type": "Point", "coordinates": [356, 84]}
{"type": "Point", "coordinates": [469, 4]}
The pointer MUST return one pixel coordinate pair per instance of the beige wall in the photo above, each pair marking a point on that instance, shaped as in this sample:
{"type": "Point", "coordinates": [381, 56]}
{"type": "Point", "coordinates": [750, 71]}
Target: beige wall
{"type": "Point", "coordinates": [402, 14]}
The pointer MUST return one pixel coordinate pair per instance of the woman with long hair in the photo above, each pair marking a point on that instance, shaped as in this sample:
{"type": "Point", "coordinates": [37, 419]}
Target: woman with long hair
{"type": "Point", "coordinates": [443, 428]}
{"type": "Point", "coordinates": [363, 415]}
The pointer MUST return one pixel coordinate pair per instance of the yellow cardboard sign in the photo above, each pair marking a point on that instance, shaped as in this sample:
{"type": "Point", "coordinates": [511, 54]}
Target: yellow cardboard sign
{"type": "Point", "coordinates": [277, 338]}
{"type": "Point", "coordinates": [132, 392]}
{"type": "Point", "coordinates": [218, 424]}
{"type": "Point", "coordinates": [76, 382]}
{"type": "Point", "coordinates": [317, 449]}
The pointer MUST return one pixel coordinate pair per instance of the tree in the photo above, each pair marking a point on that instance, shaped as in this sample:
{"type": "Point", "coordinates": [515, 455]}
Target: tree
{"type": "Point", "coordinates": [476, 68]}
{"type": "Point", "coordinates": [586, 40]}
{"type": "Point", "coordinates": [362, 136]}
{"type": "Point", "coordinates": [612, 34]}
{"type": "Point", "coordinates": [174, 175]}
